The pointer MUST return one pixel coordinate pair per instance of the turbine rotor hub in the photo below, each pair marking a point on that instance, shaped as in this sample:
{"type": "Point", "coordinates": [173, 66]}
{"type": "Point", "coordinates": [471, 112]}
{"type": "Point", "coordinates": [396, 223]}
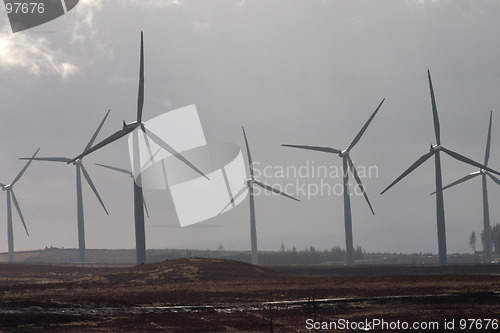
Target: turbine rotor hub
{"type": "Point", "coordinates": [435, 148]}
{"type": "Point", "coordinates": [131, 126]}
{"type": "Point", "coordinates": [344, 153]}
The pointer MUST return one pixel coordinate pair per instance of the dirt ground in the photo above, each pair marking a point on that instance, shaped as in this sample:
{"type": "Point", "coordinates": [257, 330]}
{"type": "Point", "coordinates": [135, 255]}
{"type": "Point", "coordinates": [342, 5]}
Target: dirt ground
{"type": "Point", "coordinates": [211, 295]}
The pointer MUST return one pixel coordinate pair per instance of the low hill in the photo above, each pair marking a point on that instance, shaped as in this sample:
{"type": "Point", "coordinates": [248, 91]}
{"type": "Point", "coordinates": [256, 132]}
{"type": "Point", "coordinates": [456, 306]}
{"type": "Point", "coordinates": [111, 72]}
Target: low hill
{"type": "Point", "coordinates": [193, 270]}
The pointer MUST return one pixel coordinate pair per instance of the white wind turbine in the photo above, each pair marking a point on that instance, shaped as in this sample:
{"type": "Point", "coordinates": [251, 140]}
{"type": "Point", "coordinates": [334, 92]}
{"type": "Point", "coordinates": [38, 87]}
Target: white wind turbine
{"type": "Point", "coordinates": [139, 208]}
{"type": "Point", "coordinates": [435, 150]}
{"type": "Point", "coordinates": [129, 128]}
{"type": "Point", "coordinates": [9, 188]}
{"type": "Point", "coordinates": [249, 186]}
{"type": "Point", "coordinates": [486, 212]}
{"type": "Point", "coordinates": [347, 164]}
{"type": "Point", "coordinates": [79, 197]}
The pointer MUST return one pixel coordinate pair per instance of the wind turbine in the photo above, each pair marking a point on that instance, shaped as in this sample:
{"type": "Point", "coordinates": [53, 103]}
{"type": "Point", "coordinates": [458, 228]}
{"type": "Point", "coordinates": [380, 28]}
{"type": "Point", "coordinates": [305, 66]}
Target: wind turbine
{"type": "Point", "coordinates": [130, 127]}
{"type": "Point", "coordinates": [486, 213]}
{"type": "Point", "coordinates": [79, 197]}
{"type": "Point", "coordinates": [347, 164]}
{"type": "Point", "coordinates": [249, 184]}
{"type": "Point", "coordinates": [9, 188]}
{"type": "Point", "coordinates": [435, 150]}
{"type": "Point", "coordinates": [139, 208]}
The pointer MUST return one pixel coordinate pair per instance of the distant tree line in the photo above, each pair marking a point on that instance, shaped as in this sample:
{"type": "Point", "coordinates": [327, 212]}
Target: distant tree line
{"type": "Point", "coordinates": [308, 256]}
{"type": "Point", "coordinates": [284, 256]}
{"type": "Point", "coordinates": [495, 239]}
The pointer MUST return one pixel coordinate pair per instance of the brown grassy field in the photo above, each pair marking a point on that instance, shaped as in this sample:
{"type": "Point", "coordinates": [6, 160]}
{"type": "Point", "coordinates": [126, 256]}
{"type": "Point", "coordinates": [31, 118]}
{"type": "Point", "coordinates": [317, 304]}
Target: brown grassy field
{"type": "Point", "coordinates": [212, 295]}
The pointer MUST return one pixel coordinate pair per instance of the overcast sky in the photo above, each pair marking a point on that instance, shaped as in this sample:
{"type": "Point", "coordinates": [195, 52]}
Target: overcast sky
{"type": "Point", "coordinates": [298, 72]}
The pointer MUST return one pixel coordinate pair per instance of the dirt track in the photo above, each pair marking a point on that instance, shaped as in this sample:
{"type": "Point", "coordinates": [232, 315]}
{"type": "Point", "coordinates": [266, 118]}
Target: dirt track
{"type": "Point", "coordinates": [227, 296]}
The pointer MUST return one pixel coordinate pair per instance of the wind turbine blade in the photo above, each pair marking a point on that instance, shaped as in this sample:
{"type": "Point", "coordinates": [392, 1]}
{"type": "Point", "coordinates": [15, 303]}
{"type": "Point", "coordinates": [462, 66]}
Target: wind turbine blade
{"type": "Point", "coordinates": [488, 142]}
{"type": "Point", "coordinates": [150, 160]}
{"type": "Point", "coordinates": [250, 163]}
{"type": "Point", "coordinates": [156, 139]}
{"type": "Point", "coordinates": [96, 132]}
{"type": "Point", "coordinates": [140, 97]}
{"type": "Point", "coordinates": [19, 211]}
{"type": "Point", "coordinates": [108, 140]}
{"type": "Point", "coordinates": [269, 188]}
{"type": "Point", "coordinates": [434, 111]}
{"type": "Point", "coordinates": [116, 169]}
{"type": "Point", "coordinates": [495, 179]}
{"type": "Point", "coordinates": [233, 199]}
{"type": "Point", "coordinates": [24, 169]}
{"type": "Point", "coordinates": [148, 145]}
{"type": "Point", "coordinates": [323, 149]}
{"type": "Point", "coordinates": [91, 184]}
{"type": "Point", "coordinates": [467, 160]}
{"type": "Point", "coordinates": [461, 180]}
{"type": "Point", "coordinates": [50, 159]}
{"type": "Point", "coordinates": [145, 207]}
{"type": "Point", "coordinates": [362, 131]}
{"type": "Point", "coordinates": [415, 165]}
{"type": "Point", "coordinates": [358, 180]}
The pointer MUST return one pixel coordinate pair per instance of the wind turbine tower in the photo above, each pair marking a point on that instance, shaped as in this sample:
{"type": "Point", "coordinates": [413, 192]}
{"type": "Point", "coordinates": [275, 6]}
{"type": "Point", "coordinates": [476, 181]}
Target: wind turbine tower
{"type": "Point", "coordinates": [347, 165]}
{"type": "Point", "coordinates": [9, 189]}
{"type": "Point", "coordinates": [435, 151]}
{"type": "Point", "coordinates": [486, 211]}
{"type": "Point", "coordinates": [139, 208]}
{"type": "Point", "coordinates": [79, 195]}
{"type": "Point", "coordinates": [249, 184]}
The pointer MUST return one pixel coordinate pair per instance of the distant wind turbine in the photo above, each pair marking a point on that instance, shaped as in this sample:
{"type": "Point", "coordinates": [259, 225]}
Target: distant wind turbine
{"type": "Point", "coordinates": [435, 150]}
{"type": "Point", "coordinates": [486, 212]}
{"type": "Point", "coordinates": [9, 188]}
{"type": "Point", "coordinates": [347, 163]}
{"type": "Point", "coordinates": [79, 197]}
{"type": "Point", "coordinates": [130, 127]}
{"type": "Point", "coordinates": [249, 186]}
{"type": "Point", "coordinates": [139, 208]}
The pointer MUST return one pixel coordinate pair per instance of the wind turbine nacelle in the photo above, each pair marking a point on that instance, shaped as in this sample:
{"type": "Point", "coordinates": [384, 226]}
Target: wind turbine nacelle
{"type": "Point", "coordinates": [130, 127]}
{"type": "Point", "coordinates": [343, 153]}
{"type": "Point", "coordinates": [6, 187]}
{"type": "Point", "coordinates": [436, 147]}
